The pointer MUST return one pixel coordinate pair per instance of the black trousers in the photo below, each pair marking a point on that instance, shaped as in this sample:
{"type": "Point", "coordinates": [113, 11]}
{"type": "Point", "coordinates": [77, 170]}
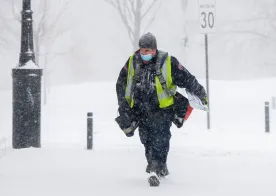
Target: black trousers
{"type": "Point", "coordinates": [155, 135]}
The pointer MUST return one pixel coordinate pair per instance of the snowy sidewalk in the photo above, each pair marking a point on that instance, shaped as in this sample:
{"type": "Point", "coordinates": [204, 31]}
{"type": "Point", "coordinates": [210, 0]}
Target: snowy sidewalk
{"type": "Point", "coordinates": [69, 171]}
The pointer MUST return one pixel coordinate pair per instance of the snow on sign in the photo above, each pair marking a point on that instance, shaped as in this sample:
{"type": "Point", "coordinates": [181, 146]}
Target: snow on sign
{"type": "Point", "coordinates": [207, 10]}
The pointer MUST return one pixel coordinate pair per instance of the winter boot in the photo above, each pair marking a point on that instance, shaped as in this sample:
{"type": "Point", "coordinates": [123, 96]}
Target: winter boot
{"type": "Point", "coordinates": [162, 170]}
{"type": "Point", "coordinates": [153, 179]}
{"type": "Point", "coordinates": [148, 169]}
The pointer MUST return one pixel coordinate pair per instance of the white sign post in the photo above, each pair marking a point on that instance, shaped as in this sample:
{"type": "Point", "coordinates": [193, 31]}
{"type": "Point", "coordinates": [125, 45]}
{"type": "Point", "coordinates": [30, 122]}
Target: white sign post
{"type": "Point", "coordinates": [207, 16]}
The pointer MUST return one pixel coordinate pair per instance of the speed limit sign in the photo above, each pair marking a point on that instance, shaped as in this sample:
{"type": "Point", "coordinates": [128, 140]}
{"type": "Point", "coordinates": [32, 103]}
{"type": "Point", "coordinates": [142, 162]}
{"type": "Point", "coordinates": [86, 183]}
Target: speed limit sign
{"type": "Point", "coordinates": [207, 15]}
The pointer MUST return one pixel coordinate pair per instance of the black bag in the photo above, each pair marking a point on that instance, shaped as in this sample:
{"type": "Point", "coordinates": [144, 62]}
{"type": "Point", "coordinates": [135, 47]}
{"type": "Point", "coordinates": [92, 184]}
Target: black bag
{"type": "Point", "coordinates": [180, 107]}
{"type": "Point", "coordinates": [127, 124]}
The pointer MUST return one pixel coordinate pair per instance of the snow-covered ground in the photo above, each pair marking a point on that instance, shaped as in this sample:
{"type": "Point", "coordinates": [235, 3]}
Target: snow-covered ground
{"type": "Point", "coordinates": [235, 157]}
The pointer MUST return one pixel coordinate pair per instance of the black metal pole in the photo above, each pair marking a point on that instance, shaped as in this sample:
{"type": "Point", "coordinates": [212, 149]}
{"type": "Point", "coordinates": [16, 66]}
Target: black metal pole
{"type": "Point", "coordinates": [89, 131]}
{"type": "Point", "coordinates": [26, 88]}
{"type": "Point", "coordinates": [267, 121]}
{"type": "Point", "coordinates": [207, 81]}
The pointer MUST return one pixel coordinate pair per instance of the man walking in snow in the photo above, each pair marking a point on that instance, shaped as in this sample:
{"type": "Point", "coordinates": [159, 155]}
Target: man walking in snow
{"type": "Point", "coordinates": [145, 89]}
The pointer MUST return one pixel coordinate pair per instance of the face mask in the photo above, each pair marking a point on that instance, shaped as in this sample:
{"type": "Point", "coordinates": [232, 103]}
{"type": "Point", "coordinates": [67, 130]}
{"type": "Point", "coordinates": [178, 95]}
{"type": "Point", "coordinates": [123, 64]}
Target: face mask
{"type": "Point", "coordinates": [146, 57]}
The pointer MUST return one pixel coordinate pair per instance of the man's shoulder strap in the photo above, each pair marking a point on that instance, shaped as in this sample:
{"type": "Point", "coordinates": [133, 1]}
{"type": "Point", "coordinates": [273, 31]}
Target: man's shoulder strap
{"type": "Point", "coordinates": [161, 58]}
{"type": "Point", "coordinates": [136, 66]}
{"type": "Point", "coordinates": [136, 63]}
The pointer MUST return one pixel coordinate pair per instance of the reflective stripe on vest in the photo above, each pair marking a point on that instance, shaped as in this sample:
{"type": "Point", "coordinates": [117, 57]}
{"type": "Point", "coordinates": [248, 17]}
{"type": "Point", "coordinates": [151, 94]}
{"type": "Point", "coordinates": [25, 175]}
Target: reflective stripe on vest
{"type": "Point", "coordinates": [130, 76]}
{"type": "Point", "coordinates": [164, 98]}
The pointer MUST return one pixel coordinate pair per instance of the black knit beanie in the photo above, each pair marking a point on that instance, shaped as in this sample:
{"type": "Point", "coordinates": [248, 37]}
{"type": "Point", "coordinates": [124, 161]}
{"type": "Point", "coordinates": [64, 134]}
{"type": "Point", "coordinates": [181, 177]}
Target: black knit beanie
{"type": "Point", "coordinates": [148, 41]}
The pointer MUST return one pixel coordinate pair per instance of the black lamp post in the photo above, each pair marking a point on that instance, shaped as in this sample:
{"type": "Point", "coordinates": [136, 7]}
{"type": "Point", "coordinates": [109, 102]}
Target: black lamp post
{"type": "Point", "coordinates": [26, 88]}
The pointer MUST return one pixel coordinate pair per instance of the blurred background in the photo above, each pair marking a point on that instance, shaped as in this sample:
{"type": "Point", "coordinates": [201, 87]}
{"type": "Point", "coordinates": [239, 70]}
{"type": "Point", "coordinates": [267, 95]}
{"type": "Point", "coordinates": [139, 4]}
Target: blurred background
{"type": "Point", "coordinates": [82, 46]}
{"type": "Point", "coordinates": [80, 41]}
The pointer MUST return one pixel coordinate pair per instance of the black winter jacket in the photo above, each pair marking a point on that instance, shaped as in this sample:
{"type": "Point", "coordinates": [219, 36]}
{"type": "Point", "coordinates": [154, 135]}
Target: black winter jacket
{"type": "Point", "coordinates": [145, 95]}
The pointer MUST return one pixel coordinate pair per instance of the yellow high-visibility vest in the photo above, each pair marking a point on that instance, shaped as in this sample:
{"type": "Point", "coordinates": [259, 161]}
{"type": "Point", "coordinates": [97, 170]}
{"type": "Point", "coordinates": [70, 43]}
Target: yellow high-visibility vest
{"type": "Point", "coordinates": [164, 98]}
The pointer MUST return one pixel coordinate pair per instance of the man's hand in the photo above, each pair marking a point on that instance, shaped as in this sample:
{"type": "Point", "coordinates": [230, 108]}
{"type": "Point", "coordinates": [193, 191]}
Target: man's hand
{"type": "Point", "coordinates": [126, 124]}
{"type": "Point", "coordinates": [205, 101]}
{"type": "Point", "coordinates": [197, 102]}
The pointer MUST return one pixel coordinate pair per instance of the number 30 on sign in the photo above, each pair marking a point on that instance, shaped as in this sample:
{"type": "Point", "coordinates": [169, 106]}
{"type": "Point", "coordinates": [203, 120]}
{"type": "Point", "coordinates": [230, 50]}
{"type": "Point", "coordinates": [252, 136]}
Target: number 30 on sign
{"type": "Point", "coordinates": [207, 9]}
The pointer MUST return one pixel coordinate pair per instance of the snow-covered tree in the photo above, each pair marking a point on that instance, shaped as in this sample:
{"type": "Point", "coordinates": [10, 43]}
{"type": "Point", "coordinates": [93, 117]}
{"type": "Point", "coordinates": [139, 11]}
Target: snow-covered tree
{"type": "Point", "coordinates": [255, 37]}
{"type": "Point", "coordinates": [137, 16]}
{"type": "Point", "coordinates": [184, 6]}
{"type": "Point", "coordinates": [47, 32]}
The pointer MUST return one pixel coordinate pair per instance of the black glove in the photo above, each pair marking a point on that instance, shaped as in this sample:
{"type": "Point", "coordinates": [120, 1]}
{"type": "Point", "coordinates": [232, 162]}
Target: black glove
{"type": "Point", "coordinates": [201, 94]}
{"type": "Point", "coordinates": [124, 121]}
{"type": "Point", "coordinates": [204, 101]}
{"type": "Point", "coordinates": [127, 124]}
{"type": "Point", "coordinates": [130, 134]}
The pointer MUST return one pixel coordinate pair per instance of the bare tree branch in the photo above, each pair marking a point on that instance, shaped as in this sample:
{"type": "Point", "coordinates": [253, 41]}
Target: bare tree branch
{"type": "Point", "coordinates": [130, 31]}
{"type": "Point", "coordinates": [149, 24]}
{"type": "Point", "coordinates": [15, 13]}
{"type": "Point", "coordinates": [130, 14]}
{"type": "Point", "coordinates": [41, 30]}
{"type": "Point", "coordinates": [132, 6]}
{"type": "Point", "coordinates": [47, 31]}
{"type": "Point", "coordinates": [152, 20]}
{"type": "Point", "coordinates": [184, 5]}
{"type": "Point", "coordinates": [142, 2]}
{"type": "Point", "coordinates": [111, 3]}
{"type": "Point", "coordinates": [57, 19]}
{"type": "Point", "coordinates": [149, 8]}
{"type": "Point", "coordinates": [273, 24]}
